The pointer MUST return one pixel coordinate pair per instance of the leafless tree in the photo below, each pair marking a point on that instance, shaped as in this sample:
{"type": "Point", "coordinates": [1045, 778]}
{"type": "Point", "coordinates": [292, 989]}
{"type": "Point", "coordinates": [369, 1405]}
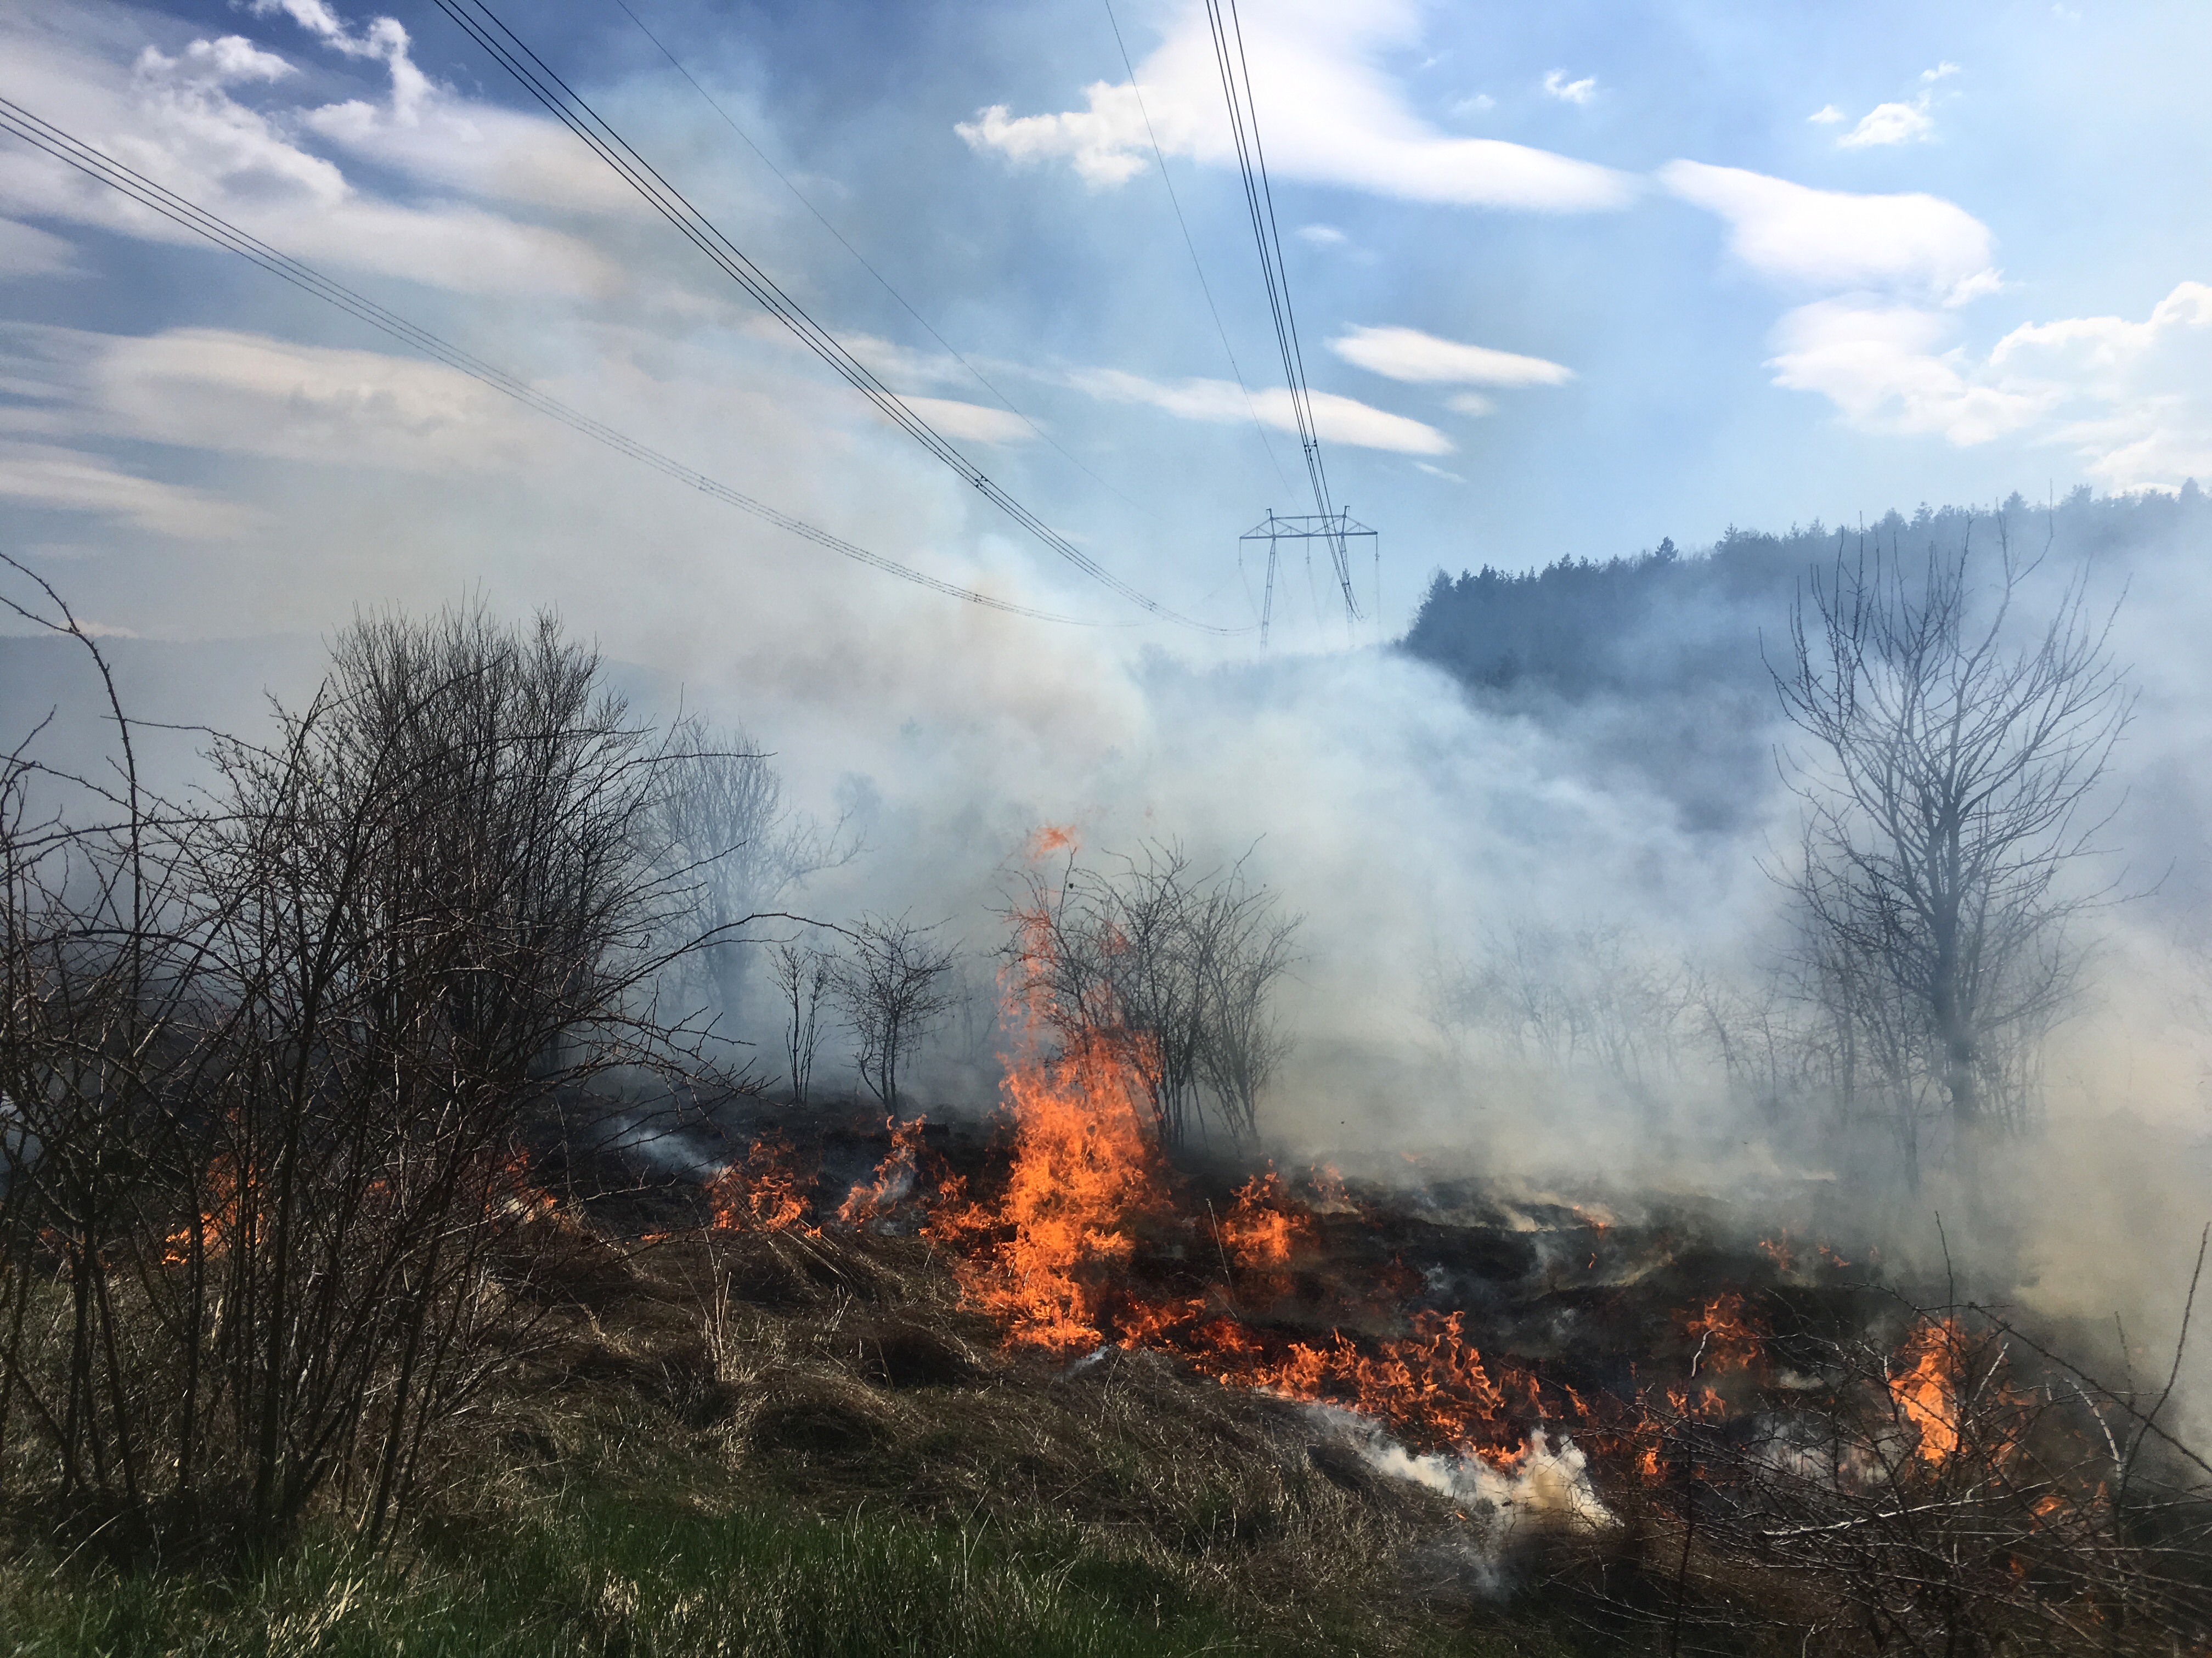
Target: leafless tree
{"type": "Point", "coordinates": [729, 834]}
{"type": "Point", "coordinates": [894, 983]}
{"type": "Point", "coordinates": [1756, 1031]}
{"type": "Point", "coordinates": [1955, 757]}
{"type": "Point", "coordinates": [1176, 966]}
{"type": "Point", "coordinates": [803, 975]}
{"type": "Point", "coordinates": [1591, 996]}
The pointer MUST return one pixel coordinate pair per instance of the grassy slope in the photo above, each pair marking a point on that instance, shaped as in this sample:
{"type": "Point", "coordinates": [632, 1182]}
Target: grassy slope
{"type": "Point", "coordinates": [836, 1460]}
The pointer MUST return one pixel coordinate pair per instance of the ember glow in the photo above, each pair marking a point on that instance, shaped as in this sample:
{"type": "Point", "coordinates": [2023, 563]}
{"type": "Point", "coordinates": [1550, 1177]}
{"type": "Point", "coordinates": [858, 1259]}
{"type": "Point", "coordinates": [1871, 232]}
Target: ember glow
{"type": "Point", "coordinates": [217, 1223]}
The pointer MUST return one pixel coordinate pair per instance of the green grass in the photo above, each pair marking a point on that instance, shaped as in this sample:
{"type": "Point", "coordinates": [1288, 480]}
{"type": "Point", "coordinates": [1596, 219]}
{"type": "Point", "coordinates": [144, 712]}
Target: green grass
{"type": "Point", "coordinates": [616, 1576]}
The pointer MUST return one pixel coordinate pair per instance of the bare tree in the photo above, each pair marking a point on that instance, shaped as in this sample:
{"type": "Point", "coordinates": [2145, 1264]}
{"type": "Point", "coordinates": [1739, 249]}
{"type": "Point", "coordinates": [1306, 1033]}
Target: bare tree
{"type": "Point", "coordinates": [727, 832]}
{"type": "Point", "coordinates": [1954, 757]}
{"type": "Point", "coordinates": [802, 975]}
{"type": "Point", "coordinates": [1174, 967]}
{"type": "Point", "coordinates": [1758, 1034]}
{"type": "Point", "coordinates": [894, 987]}
{"type": "Point", "coordinates": [1571, 998]}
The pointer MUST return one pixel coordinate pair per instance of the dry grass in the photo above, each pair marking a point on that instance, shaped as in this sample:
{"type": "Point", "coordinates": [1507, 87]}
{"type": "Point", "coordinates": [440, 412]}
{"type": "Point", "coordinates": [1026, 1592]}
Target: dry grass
{"type": "Point", "coordinates": [777, 1443]}
{"type": "Point", "coordinates": [839, 1374]}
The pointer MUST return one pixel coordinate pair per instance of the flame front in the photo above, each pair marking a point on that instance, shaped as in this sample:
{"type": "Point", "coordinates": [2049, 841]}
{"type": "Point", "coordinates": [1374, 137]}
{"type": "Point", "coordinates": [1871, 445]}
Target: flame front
{"type": "Point", "coordinates": [1048, 1259]}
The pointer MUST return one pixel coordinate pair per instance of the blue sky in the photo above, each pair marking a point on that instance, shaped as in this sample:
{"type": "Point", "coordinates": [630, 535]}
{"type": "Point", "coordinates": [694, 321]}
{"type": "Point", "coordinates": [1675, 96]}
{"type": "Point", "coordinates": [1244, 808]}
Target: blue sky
{"type": "Point", "coordinates": [1569, 279]}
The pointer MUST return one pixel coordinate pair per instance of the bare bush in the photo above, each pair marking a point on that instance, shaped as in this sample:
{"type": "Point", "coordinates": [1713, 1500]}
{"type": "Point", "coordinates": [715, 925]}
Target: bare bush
{"type": "Point", "coordinates": [272, 1063]}
{"type": "Point", "coordinates": [1953, 1488]}
{"type": "Point", "coordinates": [1175, 967]}
{"type": "Point", "coordinates": [894, 985]}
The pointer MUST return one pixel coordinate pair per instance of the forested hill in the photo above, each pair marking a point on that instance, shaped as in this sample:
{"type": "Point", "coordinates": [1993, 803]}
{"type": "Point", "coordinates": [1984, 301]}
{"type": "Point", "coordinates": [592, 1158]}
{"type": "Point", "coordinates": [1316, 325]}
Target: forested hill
{"type": "Point", "coordinates": [1666, 621]}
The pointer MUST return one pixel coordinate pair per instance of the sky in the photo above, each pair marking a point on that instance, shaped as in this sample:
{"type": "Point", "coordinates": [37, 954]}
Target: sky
{"type": "Point", "coordinates": [1567, 280]}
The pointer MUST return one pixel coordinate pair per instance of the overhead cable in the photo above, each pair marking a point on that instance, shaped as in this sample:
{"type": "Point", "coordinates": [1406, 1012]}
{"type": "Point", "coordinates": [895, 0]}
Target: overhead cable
{"type": "Point", "coordinates": [804, 201]}
{"type": "Point", "coordinates": [1259, 201]}
{"type": "Point", "coordinates": [1175, 201]}
{"type": "Point", "coordinates": [512, 53]}
{"type": "Point", "coordinates": [98, 164]}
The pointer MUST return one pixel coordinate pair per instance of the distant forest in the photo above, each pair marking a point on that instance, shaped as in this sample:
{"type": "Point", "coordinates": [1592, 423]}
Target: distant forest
{"type": "Point", "coordinates": [1667, 621]}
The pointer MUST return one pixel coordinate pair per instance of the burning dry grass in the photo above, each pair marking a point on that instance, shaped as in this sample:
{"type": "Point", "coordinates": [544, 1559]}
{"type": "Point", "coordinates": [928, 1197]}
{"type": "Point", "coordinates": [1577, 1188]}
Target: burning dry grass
{"type": "Point", "coordinates": [1103, 1406]}
{"type": "Point", "coordinates": [782, 1441]}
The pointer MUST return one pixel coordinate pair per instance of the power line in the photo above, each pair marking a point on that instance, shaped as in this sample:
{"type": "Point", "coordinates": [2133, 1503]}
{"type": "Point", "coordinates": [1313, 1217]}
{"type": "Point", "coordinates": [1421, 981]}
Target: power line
{"type": "Point", "coordinates": [1260, 200]}
{"type": "Point", "coordinates": [484, 26]}
{"type": "Point", "coordinates": [1205, 287]}
{"type": "Point", "coordinates": [105, 168]}
{"type": "Point", "coordinates": [768, 161]}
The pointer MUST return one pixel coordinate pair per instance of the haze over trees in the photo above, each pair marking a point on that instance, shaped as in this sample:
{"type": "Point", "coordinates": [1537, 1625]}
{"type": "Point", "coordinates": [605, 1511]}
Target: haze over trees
{"type": "Point", "coordinates": [1950, 710]}
{"type": "Point", "coordinates": [1956, 753]}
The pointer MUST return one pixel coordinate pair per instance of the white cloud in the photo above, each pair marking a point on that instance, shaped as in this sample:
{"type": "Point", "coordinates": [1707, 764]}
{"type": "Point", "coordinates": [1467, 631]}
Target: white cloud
{"type": "Point", "coordinates": [1479, 103]}
{"type": "Point", "coordinates": [217, 389]}
{"type": "Point", "coordinates": [1890, 124]}
{"type": "Point", "coordinates": [175, 116]}
{"type": "Point", "coordinates": [425, 130]}
{"type": "Point", "coordinates": [1570, 92]}
{"type": "Point", "coordinates": [1897, 122]}
{"type": "Point", "coordinates": [1878, 365]}
{"type": "Point", "coordinates": [1892, 273]}
{"type": "Point", "coordinates": [1827, 115]}
{"type": "Point", "coordinates": [2140, 403]}
{"type": "Point", "coordinates": [1321, 235]}
{"type": "Point", "coordinates": [1470, 403]}
{"type": "Point", "coordinates": [2133, 400]}
{"type": "Point", "coordinates": [1329, 113]}
{"type": "Point", "coordinates": [1916, 245]}
{"type": "Point", "coordinates": [45, 475]}
{"type": "Point", "coordinates": [1407, 353]}
{"type": "Point", "coordinates": [25, 251]}
{"type": "Point", "coordinates": [1102, 142]}
{"type": "Point", "coordinates": [384, 41]}
{"type": "Point", "coordinates": [971, 423]}
{"type": "Point", "coordinates": [1340, 419]}
{"type": "Point", "coordinates": [1437, 472]}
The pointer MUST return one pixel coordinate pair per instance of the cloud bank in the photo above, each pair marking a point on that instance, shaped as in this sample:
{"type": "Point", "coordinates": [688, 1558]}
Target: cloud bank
{"type": "Point", "coordinates": [1330, 114]}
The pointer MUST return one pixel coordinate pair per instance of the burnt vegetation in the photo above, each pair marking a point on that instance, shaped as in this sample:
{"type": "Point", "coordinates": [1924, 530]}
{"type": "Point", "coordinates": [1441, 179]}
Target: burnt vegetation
{"type": "Point", "coordinates": [403, 1247]}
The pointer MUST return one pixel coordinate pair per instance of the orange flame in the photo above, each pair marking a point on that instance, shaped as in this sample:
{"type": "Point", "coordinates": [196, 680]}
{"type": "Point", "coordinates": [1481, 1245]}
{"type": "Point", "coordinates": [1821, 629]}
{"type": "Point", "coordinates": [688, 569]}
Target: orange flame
{"type": "Point", "coordinates": [762, 1191]}
{"type": "Point", "coordinates": [879, 1197]}
{"type": "Point", "coordinates": [1084, 1169]}
{"type": "Point", "coordinates": [1050, 1256]}
{"type": "Point", "coordinates": [1048, 839]}
{"type": "Point", "coordinates": [1925, 1389]}
{"type": "Point", "coordinates": [519, 1197]}
{"type": "Point", "coordinates": [1727, 1339]}
{"type": "Point", "coordinates": [1260, 1230]}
